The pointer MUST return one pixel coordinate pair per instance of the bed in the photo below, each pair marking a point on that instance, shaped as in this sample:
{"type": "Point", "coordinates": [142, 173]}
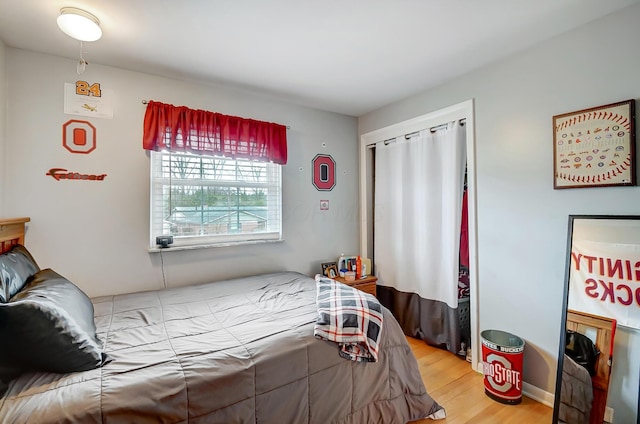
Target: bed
{"type": "Point", "coordinates": [235, 351]}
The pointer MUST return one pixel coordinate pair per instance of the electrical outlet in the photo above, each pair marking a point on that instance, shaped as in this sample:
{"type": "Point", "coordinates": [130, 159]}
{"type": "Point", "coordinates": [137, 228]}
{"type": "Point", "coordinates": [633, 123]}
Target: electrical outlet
{"type": "Point", "coordinates": [608, 415]}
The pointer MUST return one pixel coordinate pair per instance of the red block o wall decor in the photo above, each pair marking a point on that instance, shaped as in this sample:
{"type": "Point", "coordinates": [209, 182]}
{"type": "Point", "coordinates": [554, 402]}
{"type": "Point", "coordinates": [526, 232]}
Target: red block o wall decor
{"type": "Point", "coordinates": [324, 172]}
{"type": "Point", "coordinates": [79, 136]}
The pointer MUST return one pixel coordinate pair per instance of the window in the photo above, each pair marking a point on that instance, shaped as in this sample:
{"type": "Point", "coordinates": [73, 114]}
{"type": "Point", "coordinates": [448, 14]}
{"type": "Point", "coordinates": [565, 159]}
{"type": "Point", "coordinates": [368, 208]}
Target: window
{"type": "Point", "coordinates": [209, 200]}
{"type": "Point", "coordinates": [215, 179]}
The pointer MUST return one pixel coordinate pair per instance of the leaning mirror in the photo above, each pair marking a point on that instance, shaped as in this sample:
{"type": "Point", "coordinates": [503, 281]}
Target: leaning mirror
{"type": "Point", "coordinates": [598, 368]}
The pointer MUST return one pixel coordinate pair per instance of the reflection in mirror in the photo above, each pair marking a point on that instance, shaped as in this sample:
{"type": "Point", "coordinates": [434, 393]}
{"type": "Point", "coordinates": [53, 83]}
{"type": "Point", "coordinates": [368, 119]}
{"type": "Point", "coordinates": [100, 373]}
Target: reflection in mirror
{"type": "Point", "coordinates": [598, 376]}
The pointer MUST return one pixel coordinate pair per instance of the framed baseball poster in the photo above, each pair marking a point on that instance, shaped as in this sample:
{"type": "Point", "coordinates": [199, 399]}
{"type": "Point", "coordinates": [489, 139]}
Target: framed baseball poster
{"type": "Point", "coordinates": [595, 147]}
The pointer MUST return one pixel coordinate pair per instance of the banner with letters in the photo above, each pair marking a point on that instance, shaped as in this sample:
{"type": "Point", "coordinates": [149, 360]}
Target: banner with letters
{"type": "Point", "coordinates": [604, 280]}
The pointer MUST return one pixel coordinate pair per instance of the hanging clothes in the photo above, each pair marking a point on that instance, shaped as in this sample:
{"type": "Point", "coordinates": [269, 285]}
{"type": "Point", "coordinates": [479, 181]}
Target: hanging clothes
{"type": "Point", "coordinates": [464, 232]}
{"type": "Point", "coordinates": [418, 207]}
{"type": "Point", "coordinates": [463, 273]}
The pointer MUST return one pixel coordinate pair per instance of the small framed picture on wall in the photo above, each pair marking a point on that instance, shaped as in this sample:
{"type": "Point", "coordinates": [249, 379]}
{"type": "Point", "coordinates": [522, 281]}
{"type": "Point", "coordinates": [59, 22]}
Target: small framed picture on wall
{"type": "Point", "coordinates": [330, 269]}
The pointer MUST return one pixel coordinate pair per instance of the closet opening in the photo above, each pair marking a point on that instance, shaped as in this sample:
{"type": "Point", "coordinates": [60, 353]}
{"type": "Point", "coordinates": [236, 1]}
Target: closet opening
{"type": "Point", "coordinates": [401, 215]}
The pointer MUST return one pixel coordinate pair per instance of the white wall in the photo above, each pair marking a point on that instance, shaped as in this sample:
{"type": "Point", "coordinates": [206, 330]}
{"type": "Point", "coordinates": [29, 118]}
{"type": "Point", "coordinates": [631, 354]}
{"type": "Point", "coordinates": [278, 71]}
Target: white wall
{"type": "Point", "coordinates": [96, 233]}
{"type": "Point", "coordinates": [522, 220]}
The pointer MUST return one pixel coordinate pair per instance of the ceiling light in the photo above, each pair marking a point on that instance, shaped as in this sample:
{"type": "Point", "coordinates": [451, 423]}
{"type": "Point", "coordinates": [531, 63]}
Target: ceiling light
{"type": "Point", "coordinates": [78, 24]}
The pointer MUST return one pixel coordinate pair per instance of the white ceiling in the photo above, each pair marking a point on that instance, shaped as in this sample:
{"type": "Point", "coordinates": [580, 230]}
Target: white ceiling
{"type": "Point", "coordinates": [349, 56]}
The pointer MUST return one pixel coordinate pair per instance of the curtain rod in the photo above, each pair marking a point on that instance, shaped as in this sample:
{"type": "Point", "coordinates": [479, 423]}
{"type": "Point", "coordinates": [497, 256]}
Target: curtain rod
{"type": "Point", "coordinates": [432, 129]}
{"type": "Point", "coordinates": [146, 102]}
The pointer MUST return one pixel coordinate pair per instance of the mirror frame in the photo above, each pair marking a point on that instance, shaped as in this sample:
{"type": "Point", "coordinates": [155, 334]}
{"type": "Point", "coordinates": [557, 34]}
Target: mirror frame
{"type": "Point", "coordinates": [565, 304]}
{"type": "Point", "coordinates": [563, 322]}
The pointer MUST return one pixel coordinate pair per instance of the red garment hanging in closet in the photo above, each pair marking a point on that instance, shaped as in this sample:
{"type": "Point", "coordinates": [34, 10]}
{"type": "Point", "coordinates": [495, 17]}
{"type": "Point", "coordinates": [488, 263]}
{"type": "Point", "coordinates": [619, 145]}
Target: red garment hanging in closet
{"type": "Point", "coordinates": [464, 233]}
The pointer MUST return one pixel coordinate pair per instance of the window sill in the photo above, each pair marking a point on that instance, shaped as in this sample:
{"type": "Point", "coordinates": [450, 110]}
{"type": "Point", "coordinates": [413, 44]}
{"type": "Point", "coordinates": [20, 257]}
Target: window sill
{"type": "Point", "coordinates": [211, 245]}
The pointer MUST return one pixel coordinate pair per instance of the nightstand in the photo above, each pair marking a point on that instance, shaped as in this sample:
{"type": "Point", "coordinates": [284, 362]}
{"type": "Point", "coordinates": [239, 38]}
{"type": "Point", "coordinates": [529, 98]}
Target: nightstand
{"type": "Point", "coordinates": [367, 284]}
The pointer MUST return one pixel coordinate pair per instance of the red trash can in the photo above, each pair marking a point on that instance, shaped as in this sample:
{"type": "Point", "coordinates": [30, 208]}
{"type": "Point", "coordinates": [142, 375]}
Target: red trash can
{"type": "Point", "coordinates": [502, 356]}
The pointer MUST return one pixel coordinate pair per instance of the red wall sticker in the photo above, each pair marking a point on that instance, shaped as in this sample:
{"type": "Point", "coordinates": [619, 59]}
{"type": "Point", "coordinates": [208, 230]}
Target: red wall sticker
{"type": "Point", "coordinates": [62, 174]}
{"type": "Point", "coordinates": [324, 172]}
{"type": "Point", "coordinates": [79, 136]}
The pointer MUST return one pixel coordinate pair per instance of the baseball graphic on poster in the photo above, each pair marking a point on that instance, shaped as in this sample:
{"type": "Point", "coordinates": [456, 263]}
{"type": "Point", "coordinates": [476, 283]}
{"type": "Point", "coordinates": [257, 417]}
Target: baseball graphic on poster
{"type": "Point", "coordinates": [595, 147]}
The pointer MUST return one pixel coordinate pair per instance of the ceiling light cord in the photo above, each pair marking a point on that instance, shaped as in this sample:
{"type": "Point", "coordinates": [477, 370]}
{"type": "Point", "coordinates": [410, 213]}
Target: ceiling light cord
{"type": "Point", "coordinates": [82, 64]}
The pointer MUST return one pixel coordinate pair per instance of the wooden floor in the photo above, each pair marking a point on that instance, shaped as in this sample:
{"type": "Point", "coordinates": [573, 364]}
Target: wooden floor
{"type": "Point", "coordinates": [460, 390]}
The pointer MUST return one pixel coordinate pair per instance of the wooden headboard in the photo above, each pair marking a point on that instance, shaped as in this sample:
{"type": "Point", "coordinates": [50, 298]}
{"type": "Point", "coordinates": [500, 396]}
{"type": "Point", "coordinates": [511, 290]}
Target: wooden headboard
{"type": "Point", "coordinates": [605, 328]}
{"type": "Point", "coordinates": [11, 232]}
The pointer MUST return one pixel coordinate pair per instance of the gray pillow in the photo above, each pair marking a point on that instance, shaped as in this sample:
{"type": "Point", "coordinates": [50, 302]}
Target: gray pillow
{"type": "Point", "coordinates": [16, 266]}
{"type": "Point", "coordinates": [49, 326]}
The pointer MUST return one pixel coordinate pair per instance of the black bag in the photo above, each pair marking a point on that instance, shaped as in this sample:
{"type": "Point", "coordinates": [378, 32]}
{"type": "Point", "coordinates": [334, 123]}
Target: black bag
{"type": "Point", "coordinates": [581, 349]}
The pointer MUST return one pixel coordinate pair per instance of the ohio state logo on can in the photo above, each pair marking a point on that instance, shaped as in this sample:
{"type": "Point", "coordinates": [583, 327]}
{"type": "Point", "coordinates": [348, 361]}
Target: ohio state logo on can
{"type": "Point", "coordinates": [500, 374]}
{"type": "Point", "coordinates": [502, 366]}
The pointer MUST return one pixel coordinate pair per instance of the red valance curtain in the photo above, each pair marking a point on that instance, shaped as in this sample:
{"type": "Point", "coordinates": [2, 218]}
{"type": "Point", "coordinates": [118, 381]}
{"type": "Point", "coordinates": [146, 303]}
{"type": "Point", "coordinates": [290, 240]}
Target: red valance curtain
{"type": "Point", "coordinates": [178, 128]}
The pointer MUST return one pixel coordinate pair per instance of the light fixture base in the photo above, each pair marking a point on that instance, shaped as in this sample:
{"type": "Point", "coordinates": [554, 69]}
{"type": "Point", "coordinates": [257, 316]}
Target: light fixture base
{"type": "Point", "coordinates": [79, 24]}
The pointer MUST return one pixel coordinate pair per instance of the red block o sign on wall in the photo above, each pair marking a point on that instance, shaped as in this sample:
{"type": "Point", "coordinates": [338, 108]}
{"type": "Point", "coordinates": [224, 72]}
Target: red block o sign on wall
{"type": "Point", "coordinates": [324, 172]}
{"type": "Point", "coordinates": [79, 136]}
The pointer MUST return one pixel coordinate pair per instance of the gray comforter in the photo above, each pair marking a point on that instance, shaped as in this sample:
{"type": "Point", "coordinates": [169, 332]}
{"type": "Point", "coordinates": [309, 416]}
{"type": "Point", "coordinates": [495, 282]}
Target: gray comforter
{"type": "Point", "coordinates": [237, 351]}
